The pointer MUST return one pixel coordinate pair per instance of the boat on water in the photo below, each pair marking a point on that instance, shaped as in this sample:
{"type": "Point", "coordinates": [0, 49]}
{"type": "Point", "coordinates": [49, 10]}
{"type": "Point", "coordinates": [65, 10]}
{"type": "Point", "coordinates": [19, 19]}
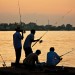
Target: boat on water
{"type": "Point", "coordinates": [46, 70]}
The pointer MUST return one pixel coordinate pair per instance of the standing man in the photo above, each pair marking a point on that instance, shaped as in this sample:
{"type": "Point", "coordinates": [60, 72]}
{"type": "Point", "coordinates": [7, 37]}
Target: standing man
{"type": "Point", "coordinates": [28, 42]}
{"type": "Point", "coordinates": [53, 58]}
{"type": "Point", "coordinates": [17, 37]}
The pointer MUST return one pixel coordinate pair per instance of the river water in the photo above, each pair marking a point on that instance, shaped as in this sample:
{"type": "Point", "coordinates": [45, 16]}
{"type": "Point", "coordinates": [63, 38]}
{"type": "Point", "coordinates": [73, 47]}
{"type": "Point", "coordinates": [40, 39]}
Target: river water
{"type": "Point", "coordinates": [62, 41]}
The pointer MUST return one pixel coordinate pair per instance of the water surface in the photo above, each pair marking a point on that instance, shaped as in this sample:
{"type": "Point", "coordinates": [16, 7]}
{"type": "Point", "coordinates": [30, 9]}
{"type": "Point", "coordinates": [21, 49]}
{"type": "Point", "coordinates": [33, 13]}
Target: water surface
{"type": "Point", "coordinates": [63, 41]}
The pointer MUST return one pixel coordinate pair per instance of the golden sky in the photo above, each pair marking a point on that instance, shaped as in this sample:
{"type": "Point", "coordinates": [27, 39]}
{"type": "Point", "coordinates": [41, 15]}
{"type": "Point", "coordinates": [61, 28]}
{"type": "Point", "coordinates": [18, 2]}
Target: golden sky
{"type": "Point", "coordinates": [40, 10]}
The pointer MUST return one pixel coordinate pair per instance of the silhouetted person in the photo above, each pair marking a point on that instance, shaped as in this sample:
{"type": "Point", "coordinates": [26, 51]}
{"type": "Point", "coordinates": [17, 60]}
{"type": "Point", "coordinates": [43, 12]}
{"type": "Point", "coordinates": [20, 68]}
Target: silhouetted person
{"type": "Point", "coordinates": [32, 59]}
{"type": "Point", "coordinates": [28, 41]}
{"type": "Point", "coordinates": [17, 37]}
{"type": "Point", "coordinates": [53, 58]}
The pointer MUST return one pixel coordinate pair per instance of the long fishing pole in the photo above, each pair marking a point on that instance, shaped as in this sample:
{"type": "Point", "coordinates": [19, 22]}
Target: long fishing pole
{"type": "Point", "coordinates": [19, 11]}
{"type": "Point", "coordinates": [20, 16]}
{"type": "Point", "coordinates": [64, 16]}
{"type": "Point", "coordinates": [4, 64]}
{"type": "Point", "coordinates": [39, 39]}
{"type": "Point", "coordinates": [67, 13]}
{"type": "Point", "coordinates": [67, 53]}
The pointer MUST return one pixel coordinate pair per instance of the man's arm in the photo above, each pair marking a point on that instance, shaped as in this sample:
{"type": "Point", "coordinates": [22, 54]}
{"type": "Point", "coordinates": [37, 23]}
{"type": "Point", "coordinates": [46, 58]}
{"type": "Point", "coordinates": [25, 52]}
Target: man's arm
{"type": "Point", "coordinates": [32, 39]}
{"type": "Point", "coordinates": [35, 40]}
{"type": "Point", "coordinates": [22, 34]}
{"type": "Point", "coordinates": [58, 57]}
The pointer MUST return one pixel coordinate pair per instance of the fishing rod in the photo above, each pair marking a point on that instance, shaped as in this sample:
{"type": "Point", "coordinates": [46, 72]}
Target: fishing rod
{"type": "Point", "coordinates": [64, 16]}
{"type": "Point", "coordinates": [20, 16]}
{"type": "Point", "coordinates": [19, 11]}
{"type": "Point", "coordinates": [67, 53]}
{"type": "Point", "coordinates": [67, 13]}
{"type": "Point", "coordinates": [4, 64]}
{"type": "Point", "coordinates": [39, 39]}
{"type": "Point", "coordinates": [47, 31]}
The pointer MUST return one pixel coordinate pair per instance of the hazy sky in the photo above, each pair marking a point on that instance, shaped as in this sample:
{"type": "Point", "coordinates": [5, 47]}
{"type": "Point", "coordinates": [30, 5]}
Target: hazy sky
{"type": "Point", "coordinates": [39, 11]}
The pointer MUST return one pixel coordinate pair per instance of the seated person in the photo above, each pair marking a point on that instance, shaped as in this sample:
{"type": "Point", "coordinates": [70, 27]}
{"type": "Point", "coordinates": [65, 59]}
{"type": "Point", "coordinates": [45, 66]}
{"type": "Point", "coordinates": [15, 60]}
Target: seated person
{"type": "Point", "coordinates": [53, 58]}
{"type": "Point", "coordinates": [32, 59]}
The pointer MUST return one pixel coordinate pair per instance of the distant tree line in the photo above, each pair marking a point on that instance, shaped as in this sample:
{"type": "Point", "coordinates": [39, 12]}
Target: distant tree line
{"type": "Point", "coordinates": [31, 25]}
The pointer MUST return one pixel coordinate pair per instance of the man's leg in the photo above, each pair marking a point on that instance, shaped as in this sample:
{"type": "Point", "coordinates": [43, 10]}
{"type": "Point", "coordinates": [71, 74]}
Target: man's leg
{"type": "Point", "coordinates": [27, 51]}
{"type": "Point", "coordinates": [18, 55]}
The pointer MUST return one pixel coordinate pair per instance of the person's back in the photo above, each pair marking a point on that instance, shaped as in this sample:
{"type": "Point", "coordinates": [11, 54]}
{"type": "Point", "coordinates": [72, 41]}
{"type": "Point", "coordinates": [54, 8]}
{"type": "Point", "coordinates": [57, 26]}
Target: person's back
{"type": "Point", "coordinates": [28, 41]}
{"type": "Point", "coordinates": [17, 40]}
{"type": "Point", "coordinates": [52, 57]}
{"type": "Point", "coordinates": [32, 59]}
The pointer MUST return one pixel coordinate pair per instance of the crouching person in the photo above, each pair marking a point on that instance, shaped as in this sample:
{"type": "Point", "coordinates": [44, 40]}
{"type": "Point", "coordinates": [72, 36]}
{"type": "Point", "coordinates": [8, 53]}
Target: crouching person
{"type": "Point", "coordinates": [53, 58]}
{"type": "Point", "coordinates": [31, 61]}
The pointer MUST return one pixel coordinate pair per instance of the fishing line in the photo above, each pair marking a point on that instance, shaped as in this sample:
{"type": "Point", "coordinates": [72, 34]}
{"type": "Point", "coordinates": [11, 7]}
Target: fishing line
{"type": "Point", "coordinates": [67, 13]}
{"type": "Point", "coordinates": [63, 17]}
{"type": "Point", "coordinates": [67, 52]}
{"type": "Point", "coordinates": [47, 31]}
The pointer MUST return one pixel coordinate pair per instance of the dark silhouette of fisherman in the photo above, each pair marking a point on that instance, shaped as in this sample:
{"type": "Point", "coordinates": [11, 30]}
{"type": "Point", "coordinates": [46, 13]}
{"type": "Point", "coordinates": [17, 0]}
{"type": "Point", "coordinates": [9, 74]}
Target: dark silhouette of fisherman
{"type": "Point", "coordinates": [31, 61]}
{"type": "Point", "coordinates": [28, 41]}
{"type": "Point", "coordinates": [17, 37]}
{"type": "Point", "coordinates": [53, 58]}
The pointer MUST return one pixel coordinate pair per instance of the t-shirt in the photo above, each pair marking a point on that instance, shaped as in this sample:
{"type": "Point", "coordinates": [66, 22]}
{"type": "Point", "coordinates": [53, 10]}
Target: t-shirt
{"type": "Point", "coordinates": [28, 41]}
{"type": "Point", "coordinates": [31, 59]}
{"type": "Point", "coordinates": [17, 40]}
{"type": "Point", "coordinates": [52, 58]}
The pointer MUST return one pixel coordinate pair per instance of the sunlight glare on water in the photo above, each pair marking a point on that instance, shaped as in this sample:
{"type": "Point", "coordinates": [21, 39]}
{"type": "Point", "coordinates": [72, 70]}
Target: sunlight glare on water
{"type": "Point", "coordinates": [62, 41]}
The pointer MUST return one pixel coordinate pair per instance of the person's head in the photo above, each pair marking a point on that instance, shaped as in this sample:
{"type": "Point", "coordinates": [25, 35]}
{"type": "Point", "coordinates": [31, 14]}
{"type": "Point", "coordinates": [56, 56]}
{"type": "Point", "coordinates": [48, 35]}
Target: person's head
{"type": "Point", "coordinates": [51, 48]}
{"type": "Point", "coordinates": [18, 29]}
{"type": "Point", "coordinates": [38, 52]}
{"type": "Point", "coordinates": [33, 31]}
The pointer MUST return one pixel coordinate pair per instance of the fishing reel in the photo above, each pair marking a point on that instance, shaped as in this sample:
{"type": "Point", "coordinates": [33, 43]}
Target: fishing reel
{"type": "Point", "coordinates": [40, 41]}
